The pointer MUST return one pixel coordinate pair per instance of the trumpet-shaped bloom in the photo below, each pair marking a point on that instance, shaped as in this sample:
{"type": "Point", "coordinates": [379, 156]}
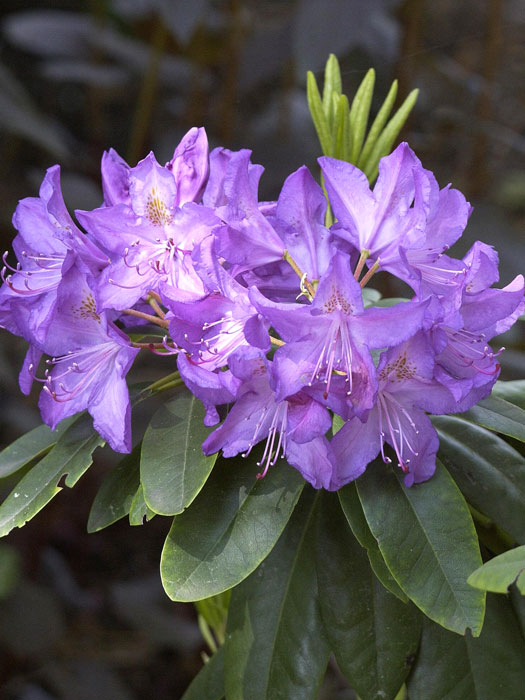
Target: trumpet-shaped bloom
{"type": "Point", "coordinates": [150, 239]}
{"type": "Point", "coordinates": [47, 237]}
{"type": "Point", "coordinates": [90, 358]}
{"type": "Point", "coordinates": [335, 334]}
{"type": "Point", "coordinates": [293, 428]}
{"type": "Point", "coordinates": [406, 389]}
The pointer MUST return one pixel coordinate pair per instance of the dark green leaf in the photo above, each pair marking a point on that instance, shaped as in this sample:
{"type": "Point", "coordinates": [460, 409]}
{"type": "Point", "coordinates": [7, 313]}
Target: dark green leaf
{"type": "Point", "coordinates": [514, 392]}
{"type": "Point", "coordinates": [173, 468]}
{"type": "Point", "coordinates": [115, 495]}
{"type": "Point", "coordinates": [490, 473]}
{"type": "Point", "coordinates": [70, 457]}
{"type": "Point", "coordinates": [462, 668]}
{"type": "Point", "coordinates": [427, 538]}
{"type": "Point", "coordinates": [501, 572]}
{"type": "Point", "coordinates": [353, 511]}
{"type": "Point", "coordinates": [276, 647]}
{"type": "Point", "coordinates": [230, 528]}
{"type": "Point", "coordinates": [498, 415]}
{"type": "Point", "coordinates": [139, 513]}
{"type": "Point", "coordinates": [208, 684]}
{"type": "Point", "coordinates": [36, 443]}
{"type": "Point", "coordinates": [372, 633]}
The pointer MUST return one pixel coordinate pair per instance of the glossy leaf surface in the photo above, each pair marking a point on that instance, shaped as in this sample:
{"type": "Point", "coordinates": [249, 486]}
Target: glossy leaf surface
{"type": "Point", "coordinates": [373, 634]}
{"type": "Point", "coordinates": [70, 458]}
{"type": "Point", "coordinates": [36, 443]}
{"type": "Point", "coordinates": [499, 573]}
{"type": "Point", "coordinates": [115, 496]}
{"type": "Point", "coordinates": [275, 641]}
{"type": "Point", "coordinates": [229, 529]}
{"type": "Point", "coordinates": [173, 467]}
{"type": "Point", "coordinates": [208, 684]}
{"type": "Point", "coordinates": [353, 511]}
{"type": "Point", "coordinates": [489, 472]}
{"type": "Point", "coordinates": [499, 415]}
{"type": "Point", "coordinates": [462, 668]}
{"type": "Point", "coordinates": [427, 538]}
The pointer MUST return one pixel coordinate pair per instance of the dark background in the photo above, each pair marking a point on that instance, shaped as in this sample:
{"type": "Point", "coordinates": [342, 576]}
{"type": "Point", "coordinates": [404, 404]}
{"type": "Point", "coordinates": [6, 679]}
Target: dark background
{"type": "Point", "coordinates": [87, 617]}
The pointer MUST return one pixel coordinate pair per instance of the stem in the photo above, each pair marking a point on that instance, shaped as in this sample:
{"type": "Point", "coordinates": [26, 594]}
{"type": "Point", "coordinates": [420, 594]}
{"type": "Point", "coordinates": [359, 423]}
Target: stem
{"type": "Point", "coordinates": [295, 267]}
{"type": "Point", "coordinates": [147, 317]}
{"type": "Point", "coordinates": [369, 274]}
{"type": "Point", "coordinates": [148, 346]}
{"type": "Point", "coordinates": [169, 385]}
{"type": "Point", "coordinates": [276, 341]}
{"type": "Point", "coordinates": [168, 379]}
{"type": "Point", "coordinates": [365, 254]}
{"type": "Point", "coordinates": [154, 305]}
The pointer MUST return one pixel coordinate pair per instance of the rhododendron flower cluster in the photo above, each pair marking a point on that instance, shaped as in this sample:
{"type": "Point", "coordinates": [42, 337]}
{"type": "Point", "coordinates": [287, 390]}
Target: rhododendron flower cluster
{"type": "Point", "coordinates": [262, 305]}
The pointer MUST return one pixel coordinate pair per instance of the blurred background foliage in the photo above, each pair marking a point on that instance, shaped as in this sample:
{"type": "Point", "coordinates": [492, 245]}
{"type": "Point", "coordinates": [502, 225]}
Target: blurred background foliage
{"type": "Point", "coordinates": [84, 616]}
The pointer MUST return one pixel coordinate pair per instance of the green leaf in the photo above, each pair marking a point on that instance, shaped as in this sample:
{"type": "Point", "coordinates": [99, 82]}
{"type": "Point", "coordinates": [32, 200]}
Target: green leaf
{"type": "Point", "coordinates": [386, 139]}
{"type": "Point", "coordinates": [501, 572]}
{"type": "Point", "coordinates": [139, 512]}
{"type": "Point", "coordinates": [359, 113]}
{"type": "Point", "coordinates": [392, 301]}
{"type": "Point", "coordinates": [489, 472]}
{"type": "Point", "coordinates": [318, 115]}
{"type": "Point", "coordinates": [343, 141]}
{"type": "Point", "coordinates": [463, 668]}
{"type": "Point", "coordinates": [276, 647]}
{"type": "Point", "coordinates": [116, 493]}
{"type": "Point", "coordinates": [215, 609]}
{"type": "Point", "coordinates": [378, 124]}
{"type": "Point", "coordinates": [514, 391]}
{"type": "Point", "coordinates": [173, 468]}
{"type": "Point", "coordinates": [499, 415]}
{"type": "Point", "coordinates": [332, 82]}
{"type": "Point", "coordinates": [69, 458]}
{"type": "Point", "coordinates": [371, 297]}
{"type": "Point", "coordinates": [372, 634]}
{"type": "Point", "coordinates": [428, 541]}
{"type": "Point", "coordinates": [208, 684]}
{"type": "Point", "coordinates": [353, 511]}
{"type": "Point", "coordinates": [36, 443]}
{"type": "Point", "coordinates": [230, 528]}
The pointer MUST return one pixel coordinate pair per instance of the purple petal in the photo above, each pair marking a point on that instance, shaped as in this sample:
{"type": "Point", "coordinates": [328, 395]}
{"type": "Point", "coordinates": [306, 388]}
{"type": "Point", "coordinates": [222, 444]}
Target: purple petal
{"type": "Point", "coordinates": [189, 166]}
{"type": "Point", "coordinates": [384, 327]}
{"type": "Point", "coordinates": [314, 460]}
{"type": "Point", "coordinates": [355, 445]}
{"type": "Point", "coordinates": [115, 178]}
{"type": "Point", "coordinates": [493, 311]}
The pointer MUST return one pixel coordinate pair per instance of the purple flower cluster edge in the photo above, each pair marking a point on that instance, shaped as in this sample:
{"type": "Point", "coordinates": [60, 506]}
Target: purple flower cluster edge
{"type": "Point", "coordinates": [262, 305]}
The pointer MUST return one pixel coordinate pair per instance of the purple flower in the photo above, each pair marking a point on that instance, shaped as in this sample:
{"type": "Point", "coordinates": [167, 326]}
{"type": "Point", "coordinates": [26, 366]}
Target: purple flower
{"type": "Point", "coordinates": [189, 167]}
{"type": "Point", "coordinates": [47, 243]}
{"type": "Point", "coordinates": [213, 327]}
{"type": "Point", "coordinates": [465, 363]}
{"type": "Point", "coordinates": [335, 334]}
{"type": "Point", "coordinates": [293, 428]}
{"type": "Point", "coordinates": [150, 240]}
{"type": "Point", "coordinates": [90, 358]}
{"type": "Point", "coordinates": [406, 223]}
{"type": "Point", "coordinates": [406, 389]}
